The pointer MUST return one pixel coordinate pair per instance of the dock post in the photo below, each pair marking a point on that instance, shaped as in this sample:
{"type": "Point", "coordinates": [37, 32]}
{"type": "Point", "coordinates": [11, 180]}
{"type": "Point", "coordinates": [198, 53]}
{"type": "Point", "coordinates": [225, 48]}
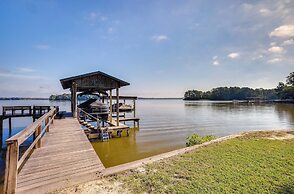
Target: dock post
{"type": "Point", "coordinates": [74, 99]}
{"type": "Point", "coordinates": [11, 167]}
{"type": "Point", "coordinates": [37, 133]}
{"type": "Point", "coordinates": [10, 127]}
{"type": "Point", "coordinates": [46, 122]}
{"type": "Point", "coordinates": [110, 105]}
{"type": "Point", "coordinates": [117, 106]}
{"type": "Point", "coordinates": [134, 109]}
{"type": "Point", "coordinates": [124, 112]}
{"type": "Point", "coordinates": [1, 131]}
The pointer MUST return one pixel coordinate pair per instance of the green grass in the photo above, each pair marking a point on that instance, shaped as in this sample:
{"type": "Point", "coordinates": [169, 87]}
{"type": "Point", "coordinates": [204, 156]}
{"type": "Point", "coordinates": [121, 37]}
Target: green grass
{"type": "Point", "coordinates": [195, 139]}
{"type": "Point", "coordinates": [248, 164]}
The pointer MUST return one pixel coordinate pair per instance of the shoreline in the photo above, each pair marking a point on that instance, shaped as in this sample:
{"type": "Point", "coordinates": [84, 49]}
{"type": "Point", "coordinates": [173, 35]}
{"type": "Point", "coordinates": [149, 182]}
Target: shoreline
{"type": "Point", "coordinates": [138, 163]}
{"type": "Point", "coordinates": [111, 176]}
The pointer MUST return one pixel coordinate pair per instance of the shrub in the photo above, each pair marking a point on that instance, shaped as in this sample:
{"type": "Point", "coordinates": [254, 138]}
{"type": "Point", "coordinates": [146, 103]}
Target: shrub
{"type": "Point", "coordinates": [197, 139]}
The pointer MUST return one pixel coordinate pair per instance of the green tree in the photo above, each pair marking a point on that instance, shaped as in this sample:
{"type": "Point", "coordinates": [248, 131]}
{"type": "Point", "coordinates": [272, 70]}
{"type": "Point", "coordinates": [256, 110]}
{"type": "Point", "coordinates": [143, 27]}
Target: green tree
{"type": "Point", "coordinates": [280, 90]}
{"type": "Point", "coordinates": [290, 79]}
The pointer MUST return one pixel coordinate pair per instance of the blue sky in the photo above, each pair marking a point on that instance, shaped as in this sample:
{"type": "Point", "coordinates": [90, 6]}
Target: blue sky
{"type": "Point", "coordinates": [162, 47]}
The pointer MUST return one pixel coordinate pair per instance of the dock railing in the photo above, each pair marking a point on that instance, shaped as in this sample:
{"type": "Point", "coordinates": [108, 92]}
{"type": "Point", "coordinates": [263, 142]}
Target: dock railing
{"type": "Point", "coordinates": [87, 115]}
{"type": "Point", "coordinates": [13, 162]}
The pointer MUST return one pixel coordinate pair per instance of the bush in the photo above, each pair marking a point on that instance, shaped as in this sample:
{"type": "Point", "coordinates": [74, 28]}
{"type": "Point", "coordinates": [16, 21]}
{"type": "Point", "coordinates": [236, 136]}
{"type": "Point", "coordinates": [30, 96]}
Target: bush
{"type": "Point", "coordinates": [197, 139]}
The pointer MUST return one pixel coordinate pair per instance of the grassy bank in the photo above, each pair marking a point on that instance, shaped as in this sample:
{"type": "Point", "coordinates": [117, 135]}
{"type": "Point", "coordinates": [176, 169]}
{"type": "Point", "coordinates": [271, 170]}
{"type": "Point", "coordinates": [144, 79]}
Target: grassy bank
{"type": "Point", "coordinates": [254, 163]}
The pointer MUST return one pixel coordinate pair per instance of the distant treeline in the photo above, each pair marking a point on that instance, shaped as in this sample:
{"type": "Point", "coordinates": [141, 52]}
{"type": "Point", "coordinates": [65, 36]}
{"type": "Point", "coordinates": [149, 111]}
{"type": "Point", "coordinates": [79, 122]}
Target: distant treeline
{"type": "Point", "coordinates": [282, 91]}
{"type": "Point", "coordinates": [21, 98]}
{"type": "Point", "coordinates": [60, 97]}
{"type": "Point", "coordinates": [231, 93]}
{"type": "Point", "coordinates": [65, 97]}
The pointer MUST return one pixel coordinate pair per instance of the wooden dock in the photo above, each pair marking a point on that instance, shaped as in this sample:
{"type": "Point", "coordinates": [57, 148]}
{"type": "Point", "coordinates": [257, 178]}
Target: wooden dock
{"type": "Point", "coordinates": [66, 157]}
{"type": "Point", "coordinates": [63, 156]}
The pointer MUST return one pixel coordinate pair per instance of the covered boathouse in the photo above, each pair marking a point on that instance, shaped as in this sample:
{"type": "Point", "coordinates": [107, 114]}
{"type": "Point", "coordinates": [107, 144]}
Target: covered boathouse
{"type": "Point", "coordinates": [101, 83]}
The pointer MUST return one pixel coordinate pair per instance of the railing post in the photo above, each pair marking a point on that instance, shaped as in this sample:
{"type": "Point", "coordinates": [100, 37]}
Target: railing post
{"type": "Point", "coordinates": [78, 114]}
{"type": "Point", "coordinates": [46, 122]}
{"type": "Point", "coordinates": [37, 133]}
{"type": "Point", "coordinates": [11, 167]}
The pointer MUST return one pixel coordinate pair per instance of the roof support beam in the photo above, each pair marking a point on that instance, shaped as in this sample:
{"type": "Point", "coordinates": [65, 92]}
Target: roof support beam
{"type": "Point", "coordinates": [74, 99]}
{"type": "Point", "coordinates": [117, 106]}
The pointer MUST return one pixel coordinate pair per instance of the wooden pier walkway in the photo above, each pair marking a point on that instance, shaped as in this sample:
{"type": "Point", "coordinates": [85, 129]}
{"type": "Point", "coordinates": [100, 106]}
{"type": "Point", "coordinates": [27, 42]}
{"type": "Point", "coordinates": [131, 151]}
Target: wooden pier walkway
{"type": "Point", "coordinates": [65, 157]}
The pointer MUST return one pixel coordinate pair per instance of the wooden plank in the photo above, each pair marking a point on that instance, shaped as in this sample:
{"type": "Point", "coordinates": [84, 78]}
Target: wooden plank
{"type": "Point", "coordinates": [129, 119]}
{"type": "Point", "coordinates": [66, 156]}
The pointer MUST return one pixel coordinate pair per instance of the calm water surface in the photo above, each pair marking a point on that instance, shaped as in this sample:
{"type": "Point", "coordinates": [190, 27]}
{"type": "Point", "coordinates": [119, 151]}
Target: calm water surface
{"type": "Point", "coordinates": [165, 124]}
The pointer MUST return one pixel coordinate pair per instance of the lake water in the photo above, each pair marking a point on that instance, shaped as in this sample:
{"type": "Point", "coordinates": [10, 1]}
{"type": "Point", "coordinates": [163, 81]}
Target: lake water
{"type": "Point", "coordinates": [165, 125]}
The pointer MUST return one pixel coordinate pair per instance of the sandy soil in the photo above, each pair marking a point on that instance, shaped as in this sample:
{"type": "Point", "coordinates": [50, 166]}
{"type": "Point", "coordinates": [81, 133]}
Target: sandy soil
{"type": "Point", "coordinates": [101, 186]}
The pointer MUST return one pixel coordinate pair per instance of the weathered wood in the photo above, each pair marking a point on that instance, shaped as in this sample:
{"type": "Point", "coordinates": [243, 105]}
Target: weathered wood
{"type": "Point", "coordinates": [12, 162]}
{"type": "Point", "coordinates": [110, 105]}
{"type": "Point", "coordinates": [117, 106]}
{"type": "Point", "coordinates": [95, 81]}
{"type": "Point", "coordinates": [29, 130]}
{"type": "Point", "coordinates": [11, 167]}
{"type": "Point", "coordinates": [74, 99]}
{"type": "Point", "coordinates": [37, 134]}
{"type": "Point", "coordinates": [1, 131]}
{"type": "Point", "coordinates": [10, 126]}
{"type": "Point", "coordinates": [66, 157]}
{"type": "Point", "coordinates": [134, 109]}
{"type": "Point", "coordinates": [129, 119]}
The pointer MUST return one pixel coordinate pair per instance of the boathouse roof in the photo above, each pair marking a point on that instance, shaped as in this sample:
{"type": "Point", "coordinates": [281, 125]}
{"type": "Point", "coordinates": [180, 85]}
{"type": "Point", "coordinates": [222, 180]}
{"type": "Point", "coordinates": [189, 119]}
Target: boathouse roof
{"type": "Point", "coordinates": [95, 81]}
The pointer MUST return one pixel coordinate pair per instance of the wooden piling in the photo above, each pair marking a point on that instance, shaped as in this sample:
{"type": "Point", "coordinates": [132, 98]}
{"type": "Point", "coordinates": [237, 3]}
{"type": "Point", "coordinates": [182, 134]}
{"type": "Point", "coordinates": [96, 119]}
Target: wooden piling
{"type": "Point", "coordinates": [10, 126]}
{"type": "Point", "coordinates": [117, 106]}
{"type": "Point", "coordinates": [1, 132]}
{"type": "Point", "coordinates": [134, 110]}
{"type": "Point", "coordinates": [110, 105]}
{"type": "Point", "coordinates": [74, 99]}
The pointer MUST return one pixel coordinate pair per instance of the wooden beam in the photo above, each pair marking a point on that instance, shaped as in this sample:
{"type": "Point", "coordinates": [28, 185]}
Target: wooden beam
{"type": "Point", "coordinates": [1, 132]}
{"type": "Point", "coordinates": [134, 109]}
{"type": "Point", "coordinates": [46, 122]}
{"type": "Point", "coordinates": [117, 106]}
{"type": "Point", "coordinates": [37, 133]}
{"type": "Point", "coordinates": [74, 99]}
{"type": "Point", "coordinates": [11, 167]}
{"type": "Point", "coordinates": [10, 127]}
{"type": "Point", "coordinates": [110, 105]}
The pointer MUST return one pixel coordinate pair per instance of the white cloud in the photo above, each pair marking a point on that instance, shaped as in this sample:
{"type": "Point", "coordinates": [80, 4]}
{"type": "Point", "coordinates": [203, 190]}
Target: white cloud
{"type": "Point", "coordinates": [276, 49]}
{"type": "Point", "coordinates": [274, 60]}
{"type": "Point", "coordinates": [216, 63]}
{"type": "Point", "coordinates": [265, 12]}
{"type": "Point", "coordinates": [42, 46]}
{"type": "Point", "coordinates": [25, 70]}
{"type": "Point", "coordinates": [288, 42]}
{"type": "Point", "coordinates": [20, 76]}
{"type": "Point", "coordinates": [159, 38]}
{"type": "Point", "coordinates": [233, 55]}
{"type": "Point", "coordinates": [283, 31]}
